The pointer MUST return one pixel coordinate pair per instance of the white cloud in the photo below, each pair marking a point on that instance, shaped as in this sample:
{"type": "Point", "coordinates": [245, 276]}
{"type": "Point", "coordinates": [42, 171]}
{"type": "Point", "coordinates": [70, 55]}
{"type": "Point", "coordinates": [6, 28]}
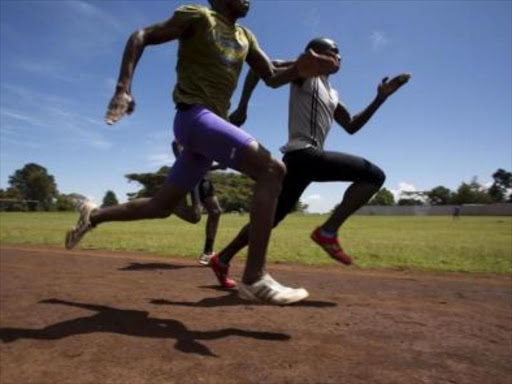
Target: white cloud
{"type": "Point", "coordinates": [86, 9]}
{"type": "Point", "coordinates": [379, 40]}
{"type": "Point", "coordinates": [312, 20]}
{"type": "Point", "coordinates": [47, 112]}
{"type": "Point", "coordinates": [52, 70]}
{"type": "Point", "coordinates": [317, 203]}
{"type": "Point", "coordinates": [402, 187]}
{"type": "Point", "coordinates": [314, 197]}
{"type": "Point", "coordinates": [29, 95]}
{"type": "Point", "coordinates": [21, 143]}
{"type": "Point", "coordinates": [6, 113]}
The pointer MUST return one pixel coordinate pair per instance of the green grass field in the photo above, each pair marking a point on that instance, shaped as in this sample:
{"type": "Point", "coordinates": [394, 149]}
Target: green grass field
{"type": "Point", "coordinates": [471, 244]}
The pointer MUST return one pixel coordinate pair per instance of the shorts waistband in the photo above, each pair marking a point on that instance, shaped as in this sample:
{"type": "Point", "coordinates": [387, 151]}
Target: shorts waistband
{"type": "Point", "coordinates": [184, 106]}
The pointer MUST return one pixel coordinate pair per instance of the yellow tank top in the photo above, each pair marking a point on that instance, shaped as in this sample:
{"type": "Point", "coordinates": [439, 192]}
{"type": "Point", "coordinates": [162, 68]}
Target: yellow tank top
{"type": "Point", "coordinates": [210, 61]}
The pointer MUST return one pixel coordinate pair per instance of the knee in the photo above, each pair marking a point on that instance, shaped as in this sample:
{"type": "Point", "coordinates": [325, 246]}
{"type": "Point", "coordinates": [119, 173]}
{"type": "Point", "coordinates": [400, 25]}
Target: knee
{"type": "Point", "coordinates": [196, 217]}
{"type": "Point", "coordinates": [275, 171]}
{"type": "Point", "coordinates": [215, 212]}
{"type": "Point", "coordinates": [377, 177]}
{"type": "Point", "coordinates": [380, 177]}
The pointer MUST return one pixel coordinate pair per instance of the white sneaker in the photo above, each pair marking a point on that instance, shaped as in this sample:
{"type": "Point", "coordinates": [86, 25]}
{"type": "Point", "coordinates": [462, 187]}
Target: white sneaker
{"type": "Point", "coordinates": [270, 291]}
{"type": "Point", "coordinates": [204, 259]}
{"type": "Point", "coordinates": [83, 225]}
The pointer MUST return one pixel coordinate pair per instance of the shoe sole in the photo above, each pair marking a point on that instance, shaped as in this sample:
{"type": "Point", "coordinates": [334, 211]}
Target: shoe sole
{"type": "Point", "coordinates": [245, 294]}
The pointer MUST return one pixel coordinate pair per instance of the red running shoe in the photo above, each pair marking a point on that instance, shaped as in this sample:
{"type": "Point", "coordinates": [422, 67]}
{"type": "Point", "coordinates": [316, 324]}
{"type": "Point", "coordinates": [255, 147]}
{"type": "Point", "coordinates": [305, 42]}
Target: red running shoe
{"type": "Point", "coordinates": [221, 271]}
{"type": "Point", "coordinates": [331, 246]}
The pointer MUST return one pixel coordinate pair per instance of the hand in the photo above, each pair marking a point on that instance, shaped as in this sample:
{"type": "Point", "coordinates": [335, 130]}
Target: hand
{"type": "Point", "coordinates": [238, 117]}
{"type": "Point", "coordinates": [311, 64]}
{"type": "Point", "coordinates": [121, 104]}
{"type": "Point", "coordinates": [387, 88]}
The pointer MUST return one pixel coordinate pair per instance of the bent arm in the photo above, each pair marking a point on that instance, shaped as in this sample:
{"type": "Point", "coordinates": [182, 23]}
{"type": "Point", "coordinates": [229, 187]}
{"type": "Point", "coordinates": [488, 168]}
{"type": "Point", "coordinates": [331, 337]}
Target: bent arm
{"type": "Point", "coordinates": [385, 89]}
{"type": "Point", "coordinates": [352, 124]}
{"type": "Point", "coordinates": [308, 64]}
{"type": "Point", "coordinates": [159, 33]}
{"type": "Point", "coordinates": [273, 75]}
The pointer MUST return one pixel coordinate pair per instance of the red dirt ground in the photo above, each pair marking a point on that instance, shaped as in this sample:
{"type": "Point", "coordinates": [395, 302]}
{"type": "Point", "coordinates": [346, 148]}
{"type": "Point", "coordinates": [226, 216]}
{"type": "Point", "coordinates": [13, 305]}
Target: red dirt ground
{"type": "Point", "coordinates": [110, 317]}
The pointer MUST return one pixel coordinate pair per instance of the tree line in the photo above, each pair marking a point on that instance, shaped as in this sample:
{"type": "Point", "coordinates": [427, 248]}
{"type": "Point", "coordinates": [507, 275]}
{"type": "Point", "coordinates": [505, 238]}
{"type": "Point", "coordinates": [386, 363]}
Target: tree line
{"type": "Point", "coordinates": [32, 188]}
{"type": "Point", "coordinates": [467, 193]}
{"type": "Point", "coordinates": [233, 190]}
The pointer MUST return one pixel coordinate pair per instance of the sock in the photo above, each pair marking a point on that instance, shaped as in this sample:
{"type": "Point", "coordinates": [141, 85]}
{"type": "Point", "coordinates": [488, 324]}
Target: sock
{"type": "Point", "coordinates": [325, 233]}
{"type": "Point", "coordinates": [223, 262]}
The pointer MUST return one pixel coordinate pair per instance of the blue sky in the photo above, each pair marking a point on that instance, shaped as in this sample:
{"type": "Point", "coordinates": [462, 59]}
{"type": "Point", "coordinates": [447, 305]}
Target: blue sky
{"type": "Point", "coordinates": [59, 62]}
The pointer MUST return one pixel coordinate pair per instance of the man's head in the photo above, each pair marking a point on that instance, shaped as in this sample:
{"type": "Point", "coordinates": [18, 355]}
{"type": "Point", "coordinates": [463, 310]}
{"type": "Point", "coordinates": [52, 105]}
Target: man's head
{"type": "Point", "coordinates": [235, 9]}
{"type": "Point", "coordinates": [325, 46]}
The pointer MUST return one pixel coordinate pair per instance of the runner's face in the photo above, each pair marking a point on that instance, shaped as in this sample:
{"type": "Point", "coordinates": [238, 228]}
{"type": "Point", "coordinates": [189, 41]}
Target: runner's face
{"type": "Point", "coordinates": [239, 7]}
{"type": "Point", "coordinates": [236, 8]}
{"type": "Point", "coordinates": [331, 49]}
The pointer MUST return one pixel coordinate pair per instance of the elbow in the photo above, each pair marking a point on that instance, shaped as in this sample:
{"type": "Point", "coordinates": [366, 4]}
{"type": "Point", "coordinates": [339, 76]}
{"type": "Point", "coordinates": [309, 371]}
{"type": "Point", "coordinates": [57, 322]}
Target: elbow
{"type": "Point", "coordinates": [272, 84]}
{"type": "Point", "coordinates": [352, 129]}
{"type": "Point", "coordinates": [270, 78]}
{"type": "Point", "coordinates": [138, 38]}
{"type": "Point", "coordinates": [347, 127]}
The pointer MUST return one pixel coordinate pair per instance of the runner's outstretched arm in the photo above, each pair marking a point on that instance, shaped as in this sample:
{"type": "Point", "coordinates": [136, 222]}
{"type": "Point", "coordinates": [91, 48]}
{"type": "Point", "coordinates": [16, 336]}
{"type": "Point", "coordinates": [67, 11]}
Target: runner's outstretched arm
{"type": "Point", "coordinates": [386, 88]}
{"type": "Point", "coordinates": [122, 102]}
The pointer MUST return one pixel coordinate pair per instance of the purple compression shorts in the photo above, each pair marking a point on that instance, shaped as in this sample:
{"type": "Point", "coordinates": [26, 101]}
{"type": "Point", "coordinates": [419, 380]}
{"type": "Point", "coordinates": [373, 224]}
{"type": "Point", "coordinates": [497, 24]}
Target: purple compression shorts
{"type": "Point", "coordinates": [205, 138]}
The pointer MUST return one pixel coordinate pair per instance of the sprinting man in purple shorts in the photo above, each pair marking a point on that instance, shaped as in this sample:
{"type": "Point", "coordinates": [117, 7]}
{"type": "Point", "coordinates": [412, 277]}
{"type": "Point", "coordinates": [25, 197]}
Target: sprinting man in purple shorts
{"type": "Point", "coordinates": [212, 49]}
{"type": "Point", "coordinates": [203, 195]}
{"type": "Point", "coordinates": [314, 105]}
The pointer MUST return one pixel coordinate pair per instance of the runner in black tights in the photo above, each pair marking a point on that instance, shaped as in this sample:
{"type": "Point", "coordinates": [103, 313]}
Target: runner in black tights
{"type": "Point", "coordinates": [314, 105]}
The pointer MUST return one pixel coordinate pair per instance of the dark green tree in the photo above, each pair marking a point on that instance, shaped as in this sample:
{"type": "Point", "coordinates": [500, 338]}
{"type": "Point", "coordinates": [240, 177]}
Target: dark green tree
{"type": "Point", "coordinates": [12, 200]}
{"type": "Point", "coordinates": [34, 183]}
{"type": "Point", "coordinates": [109, 200]}
{"type": "Point", "coordinates": [383, 197]}
{"type": "Point", "coordinates": [150, 182]}
{"type": "Point", "coordinates": [65, 203]}
{"type": "Point", "coordinates": [502, 183]}
{"type": "Point", "coordinates": [471, 193]}
{"type": "Point", "coordinates": [234, 190]}
{"type": "Point", "coordinates": [300, 207]}
{"type": "Point", "coordinates": [439, 196]}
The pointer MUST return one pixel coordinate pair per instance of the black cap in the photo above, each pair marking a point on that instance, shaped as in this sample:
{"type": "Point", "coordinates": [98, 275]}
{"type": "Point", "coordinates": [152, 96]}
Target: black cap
{"type": "Point", "coordinates": [321, 44]}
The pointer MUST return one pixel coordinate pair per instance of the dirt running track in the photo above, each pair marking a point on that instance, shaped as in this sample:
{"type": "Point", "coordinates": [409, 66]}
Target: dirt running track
{"type": "Point", "coordinates": [97, 317]}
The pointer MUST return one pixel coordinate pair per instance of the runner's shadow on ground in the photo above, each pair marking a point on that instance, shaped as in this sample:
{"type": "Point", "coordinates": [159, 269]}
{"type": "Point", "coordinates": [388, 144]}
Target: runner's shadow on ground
{"type": "Point", "coordinates": [155, 266]}
{"type": "Point", "coordinates": [132, 323]}
{"type": "Point", "coordinates": [232, 299]}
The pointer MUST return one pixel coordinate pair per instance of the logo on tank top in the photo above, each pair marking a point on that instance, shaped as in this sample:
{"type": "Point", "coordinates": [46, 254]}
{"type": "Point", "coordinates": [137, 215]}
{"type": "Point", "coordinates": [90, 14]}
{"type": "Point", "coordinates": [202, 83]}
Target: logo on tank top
{"type": "Point", "coordinates": [231, 49]}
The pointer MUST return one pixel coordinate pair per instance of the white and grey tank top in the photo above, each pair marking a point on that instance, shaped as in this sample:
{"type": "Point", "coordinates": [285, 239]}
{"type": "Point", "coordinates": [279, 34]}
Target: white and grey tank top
{"type": "Point", "coordinates": [311, 113]}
